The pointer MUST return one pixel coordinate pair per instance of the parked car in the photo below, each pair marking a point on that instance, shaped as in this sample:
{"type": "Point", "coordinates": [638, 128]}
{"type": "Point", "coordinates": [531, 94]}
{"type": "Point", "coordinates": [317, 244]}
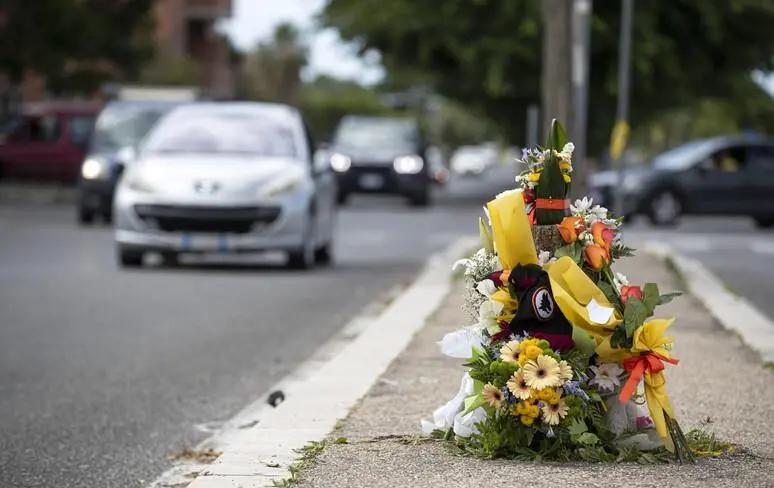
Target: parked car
{"type": "Point", "coordinates": [381, 155]}
{"type": "Point", "coordinates": [473, 160]}
{"type": "Point", "coordinates": [119, 129]}
{"type": "Point", "coordinates": [47, 141]}
{"type": "Point", "coordinates": [721, 175]}
{"type": "Point", "coordinates": [227, 178]}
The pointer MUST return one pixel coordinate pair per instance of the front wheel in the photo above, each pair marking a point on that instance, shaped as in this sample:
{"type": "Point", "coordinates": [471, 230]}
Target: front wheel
{"type": "Point", "coordinates": [129, 258]}
{"type": "Point", "coordinates": [420, 198]}
{"type": "Point", "coordinates": [85, 216]}
{"type": "Point", "coordinates": [665, 209]}
{"type": "Point", "coordinates": [304, 257]}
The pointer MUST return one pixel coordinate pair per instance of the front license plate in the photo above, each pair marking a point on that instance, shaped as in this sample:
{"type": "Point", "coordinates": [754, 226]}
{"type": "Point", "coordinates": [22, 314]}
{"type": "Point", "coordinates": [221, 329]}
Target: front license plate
{"type": "Point", "coordinates": [204, 242]}
{"type": "Point", "coordinates": [371, 181]}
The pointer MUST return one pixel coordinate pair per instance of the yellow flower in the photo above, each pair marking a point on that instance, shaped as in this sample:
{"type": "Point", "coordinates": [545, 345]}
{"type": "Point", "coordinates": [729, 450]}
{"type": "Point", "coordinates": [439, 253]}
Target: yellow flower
{"type": "Point", "coordinates": [510, 352]}
{"type": "Point", "coordinates": [553, 413]}
{"type": "Point", "coordinates": [567, 178]}
{"type": "Point", "coordinates": [542, 372]}
{"type": "Point", "coordinates": [565, 371]}
{"type": "Point", "coordinates": [523, 345]}
{"type": "Point", "coordinates": [565, 166]}
{"type": "Point", "coordinates": [533, 177]}
{"type": "Point", "coordinates": [518, 386]}
{"type": "Point", "coordinates": [492, 395]}
{"type": "Point", "coordinates": [523, 359]}
{"type": "Point", "coordinates": [533, 352]}
{"type": "Point", "coordinates": [534, 411]}
{"type": "Point", "coordinates": [527, 420]}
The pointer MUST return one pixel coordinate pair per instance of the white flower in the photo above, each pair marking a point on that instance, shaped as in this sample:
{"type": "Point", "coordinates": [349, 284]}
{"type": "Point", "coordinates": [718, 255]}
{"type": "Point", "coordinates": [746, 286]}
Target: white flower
{"type": "Point", "coordinates": [568, 148]}
{"type": "Point", "coordinates": [544, 257]}
{"type": "Point", "coordinates": [465, 425]}
{"type": "Point", "coordinates": [620, 280]}
{"type": "Point", "coordinates": [606, 377]}
{"type": "Point", "coordinates": [486, 287]}
{"type": "Point", "coordinates": [487, 316]}
{"type": "Point", "coordinates": [581, 206]}
{"type": "Point", "coordinates": [598, 212]}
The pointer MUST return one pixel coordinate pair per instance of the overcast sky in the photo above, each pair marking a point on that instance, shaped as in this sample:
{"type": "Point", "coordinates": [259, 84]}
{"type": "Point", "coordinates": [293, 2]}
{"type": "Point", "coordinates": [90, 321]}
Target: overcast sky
{"type": "Point", "coordinates": [255, 20]}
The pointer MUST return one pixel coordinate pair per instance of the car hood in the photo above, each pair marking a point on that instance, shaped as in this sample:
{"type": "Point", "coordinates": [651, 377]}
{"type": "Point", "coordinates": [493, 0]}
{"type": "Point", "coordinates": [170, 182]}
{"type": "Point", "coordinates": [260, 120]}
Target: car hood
{"type": "Point", "coordinates": [611, 177]}
{"type": "Point", "coordinates": [214, 176]}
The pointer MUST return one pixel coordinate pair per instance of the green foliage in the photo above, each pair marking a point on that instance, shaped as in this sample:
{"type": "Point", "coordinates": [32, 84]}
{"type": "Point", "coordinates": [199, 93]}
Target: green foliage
{"type": "Point", "coordinates": [573, 250]}
{"type": "Point", "coordinates": [75, 45]}
{"type": "Point", "coordinates": [687, 55]}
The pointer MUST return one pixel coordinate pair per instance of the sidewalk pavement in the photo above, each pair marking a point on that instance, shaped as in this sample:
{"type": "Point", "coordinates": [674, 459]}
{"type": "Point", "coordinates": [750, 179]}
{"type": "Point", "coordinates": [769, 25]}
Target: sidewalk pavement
{"type": "Point", "coordinates": [718, 379]}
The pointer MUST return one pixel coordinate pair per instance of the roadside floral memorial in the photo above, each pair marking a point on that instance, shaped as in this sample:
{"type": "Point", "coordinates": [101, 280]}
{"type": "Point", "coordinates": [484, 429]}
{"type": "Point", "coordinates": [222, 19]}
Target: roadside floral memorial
{"type": "Point", "coordinates": [566, 358]}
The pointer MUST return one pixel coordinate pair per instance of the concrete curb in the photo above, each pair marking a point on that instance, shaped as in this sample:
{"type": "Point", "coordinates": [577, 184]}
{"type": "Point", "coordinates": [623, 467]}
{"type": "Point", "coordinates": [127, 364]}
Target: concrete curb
{"type": "Point", "coordinates": [320, 393]}
{"type": "Point", "coordinates": [734, 313]}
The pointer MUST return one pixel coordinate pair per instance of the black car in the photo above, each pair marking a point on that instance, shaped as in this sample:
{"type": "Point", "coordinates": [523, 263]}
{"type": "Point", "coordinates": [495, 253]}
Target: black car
{"type": "Point", "coordinates": [381, 155]}
{"type": "Point", "coordinates": [119, 129]}
{"type": "Point", "coordinates": [717, 176]}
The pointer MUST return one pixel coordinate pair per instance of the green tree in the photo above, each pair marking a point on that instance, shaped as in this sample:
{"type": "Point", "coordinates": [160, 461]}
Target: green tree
{"type": "Point", "coordinates": [272, 71]}
{"type": "Point", "coordinates": [75, 44]}
{"type": "Point", "coordinates": [486, 53]}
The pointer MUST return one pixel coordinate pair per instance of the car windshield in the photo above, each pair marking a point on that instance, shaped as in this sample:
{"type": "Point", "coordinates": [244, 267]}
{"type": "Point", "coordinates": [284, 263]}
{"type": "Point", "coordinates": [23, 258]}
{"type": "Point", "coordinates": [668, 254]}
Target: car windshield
{"type": "Point", "coordinates": [232, 132]}
{"type": "Point", "coordinates": [120, 126]}
{"type": "Point", "coordinates": [685, 155]}
{"type": "Point", "coordinates": [364, 133]}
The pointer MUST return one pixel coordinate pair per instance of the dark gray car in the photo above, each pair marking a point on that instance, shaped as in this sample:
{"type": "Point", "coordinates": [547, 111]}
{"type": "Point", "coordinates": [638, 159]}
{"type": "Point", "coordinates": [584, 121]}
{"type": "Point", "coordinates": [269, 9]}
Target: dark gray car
{"type": "Point", "coordinates": [119, 129]}
{"type": "Point", "coordinates": [716, 176]}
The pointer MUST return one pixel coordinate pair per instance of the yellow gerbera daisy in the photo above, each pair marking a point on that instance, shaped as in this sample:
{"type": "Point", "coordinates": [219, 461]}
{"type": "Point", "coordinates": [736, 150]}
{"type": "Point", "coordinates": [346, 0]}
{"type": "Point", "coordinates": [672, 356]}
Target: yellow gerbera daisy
{"type": "Point", "coordinates": [492, 395]}
{"type": "Point", "coordinates": [518, 386]}
{"type": "Point", "coordinates": [510, 352]}
{"type": "Point", "coordinates": [565, 371]}
{"type": "Point", "coordinates": [542, 372]}
{"type": "Point", "coordinates": [554, 413]}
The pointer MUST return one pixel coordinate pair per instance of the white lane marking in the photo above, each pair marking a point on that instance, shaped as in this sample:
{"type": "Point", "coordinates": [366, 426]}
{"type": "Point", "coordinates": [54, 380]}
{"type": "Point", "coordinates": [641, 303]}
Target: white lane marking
{"type": "Point", "coordinates": [734, 313]}
{"type": "Point", "coordinates": [259, 443]}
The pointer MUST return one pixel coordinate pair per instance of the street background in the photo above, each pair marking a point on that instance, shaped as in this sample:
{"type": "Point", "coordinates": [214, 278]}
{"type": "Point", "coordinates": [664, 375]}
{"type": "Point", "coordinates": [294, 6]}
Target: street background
{"type": "Point", "coordinates": [108, 368]}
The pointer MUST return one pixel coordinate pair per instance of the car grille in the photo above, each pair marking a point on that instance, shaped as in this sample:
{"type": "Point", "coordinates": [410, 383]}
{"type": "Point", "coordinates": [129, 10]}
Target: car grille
{"type": "Point", "coordinates": [175, 218]}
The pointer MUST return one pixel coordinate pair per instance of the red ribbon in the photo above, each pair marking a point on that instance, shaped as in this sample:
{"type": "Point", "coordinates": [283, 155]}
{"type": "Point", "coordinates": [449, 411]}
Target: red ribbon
{"type": "Point", "coordinates": [542, 203]}
{"type": "Point", "coordinates": [637, 366]}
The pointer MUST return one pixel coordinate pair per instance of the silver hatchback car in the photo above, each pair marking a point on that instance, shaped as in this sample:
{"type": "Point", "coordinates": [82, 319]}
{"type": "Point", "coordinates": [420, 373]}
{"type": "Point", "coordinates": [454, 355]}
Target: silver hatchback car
{"type": "Point", "coordinates": [227, 178]}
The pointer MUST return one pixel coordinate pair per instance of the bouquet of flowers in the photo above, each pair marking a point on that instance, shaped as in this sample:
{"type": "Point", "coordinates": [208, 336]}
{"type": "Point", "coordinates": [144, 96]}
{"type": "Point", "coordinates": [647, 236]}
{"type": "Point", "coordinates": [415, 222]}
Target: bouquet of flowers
{"type": "Point", "coordinates": [561, 343]}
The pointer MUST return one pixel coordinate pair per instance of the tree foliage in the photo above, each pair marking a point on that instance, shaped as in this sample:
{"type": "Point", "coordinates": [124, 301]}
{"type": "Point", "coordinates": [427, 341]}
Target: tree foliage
{"type": "Point", "coordinates": [486, 53]}
{"type": "Point", "coordinates": [75, 44]}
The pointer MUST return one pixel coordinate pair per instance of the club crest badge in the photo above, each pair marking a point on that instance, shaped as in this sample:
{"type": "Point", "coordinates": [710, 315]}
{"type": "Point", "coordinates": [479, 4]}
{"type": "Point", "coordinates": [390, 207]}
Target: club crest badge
{"type": "Point", "coordinates": [543, 303]}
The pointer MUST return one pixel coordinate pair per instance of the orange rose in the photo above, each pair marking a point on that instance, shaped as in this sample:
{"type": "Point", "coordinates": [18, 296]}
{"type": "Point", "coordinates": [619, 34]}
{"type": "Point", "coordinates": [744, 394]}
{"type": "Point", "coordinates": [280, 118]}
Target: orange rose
{"type": "Point", "coordinates": [596, 256]}
{"type": "Point", "coordinates": [570, 228]}
{"type": "Point", "coordinates": [630, 291]}
{"type": "Point", "coordinates": [603, 236]}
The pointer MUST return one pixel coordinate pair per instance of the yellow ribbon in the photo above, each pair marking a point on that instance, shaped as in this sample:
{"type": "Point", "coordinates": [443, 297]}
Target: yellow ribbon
{"type": "Point", "coordinates": [650, 338]}
{"type": "Point", "coordinates": [511, 231]}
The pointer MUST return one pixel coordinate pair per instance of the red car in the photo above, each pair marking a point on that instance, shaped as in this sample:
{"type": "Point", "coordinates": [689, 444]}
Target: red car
{"type": "Point", "coordinates": [47, 141]}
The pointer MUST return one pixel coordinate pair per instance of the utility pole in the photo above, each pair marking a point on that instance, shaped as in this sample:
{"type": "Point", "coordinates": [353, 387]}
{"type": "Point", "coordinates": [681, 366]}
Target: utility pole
{"type": "Point", "coordinates": [581, 21]}
{"type": "Point", "coordinates": [556, 86]}
{"type": "Point", "coordinates": [621, 129]}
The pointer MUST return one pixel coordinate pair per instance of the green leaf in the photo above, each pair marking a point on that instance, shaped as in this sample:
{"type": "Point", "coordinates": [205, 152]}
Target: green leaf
{"type": "Point", "coordinates": [650, 297]}
{"type": "Point", "coordinates": [635, 314]}
{"type": "Point", "coordinates": [557, 138]}
{"type": "Point", "coordinates": [577, 427]}
{"type": "Point", "coordinates": [610, 293]}
{"type": "Point", "coordinates": [667, 297]}
{"type": "Point", "coordinates": [588, 439]}
{"type": "Point", "coordinates": [583, 341]}
{"type": "Point", "coordinates": [573, 251]}
{"type": "Point", "coordinates": [486, 236]}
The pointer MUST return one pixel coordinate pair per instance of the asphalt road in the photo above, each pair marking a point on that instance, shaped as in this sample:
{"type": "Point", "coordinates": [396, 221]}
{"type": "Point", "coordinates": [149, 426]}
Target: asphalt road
{"type": "Point", "coordinates": [104, 372]}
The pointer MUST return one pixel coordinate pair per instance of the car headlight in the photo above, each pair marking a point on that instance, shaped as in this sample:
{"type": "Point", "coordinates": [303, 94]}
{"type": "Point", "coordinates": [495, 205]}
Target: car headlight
{"type": "Point", "coordinates": [340, 163]}
{"type": "Point", "coordinates": [136, 182]}
{"type": "Point", "coordinates": [408, 165]}
{"type": "Point", "coordinates": [286, 182]}
{"type": "Point", "coordinates": [93, 168]}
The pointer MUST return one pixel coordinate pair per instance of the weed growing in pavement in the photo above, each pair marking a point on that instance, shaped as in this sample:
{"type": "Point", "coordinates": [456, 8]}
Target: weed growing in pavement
{"type": "Point", "coordinates": [308, 455]}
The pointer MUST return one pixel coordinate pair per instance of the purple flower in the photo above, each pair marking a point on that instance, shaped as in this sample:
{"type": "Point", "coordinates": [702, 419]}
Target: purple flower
{"type": "Point", "coordinates": [573, 388]}
{"type": "Point", "coordinates": [550, 434]}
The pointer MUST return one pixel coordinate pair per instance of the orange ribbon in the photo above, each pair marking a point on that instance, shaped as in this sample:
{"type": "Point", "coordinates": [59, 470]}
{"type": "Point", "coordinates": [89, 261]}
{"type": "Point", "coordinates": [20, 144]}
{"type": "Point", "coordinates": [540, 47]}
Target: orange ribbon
{"type": "Point", "coordinates": [551, 204]}
{"type": "Point", "coordinates": [636, 366]}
